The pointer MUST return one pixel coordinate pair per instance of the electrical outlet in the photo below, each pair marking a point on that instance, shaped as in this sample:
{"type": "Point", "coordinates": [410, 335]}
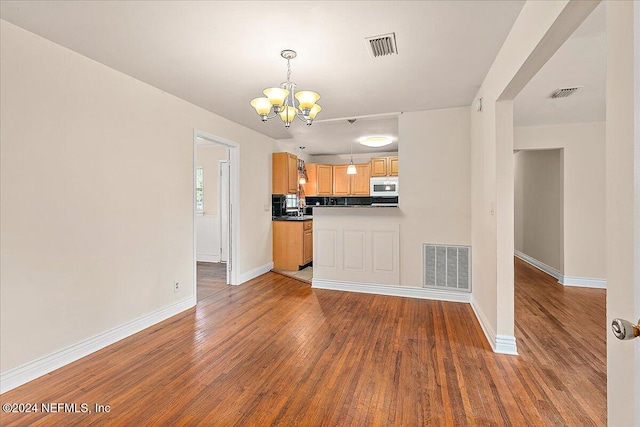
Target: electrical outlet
{"type": "Point", "coordinates": [176, 287]}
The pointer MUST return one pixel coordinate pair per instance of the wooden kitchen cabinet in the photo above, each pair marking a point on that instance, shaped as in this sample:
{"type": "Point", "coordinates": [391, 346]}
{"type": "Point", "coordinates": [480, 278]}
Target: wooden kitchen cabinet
{"type": "Point", "coordinates": [341, 181]}
{"type": "Point", "coordinates": [292, 244]}
{"type": "Point", "coordinates": [393, 166]}
{"type": "Point", "coordinates": [284, 173]}
{"type": "Point", "coordinates": [319, 180]}
{"type": "Point", "coordinates": [384, 166]}
{"type": "Point", "coordinates": [360, 182]}
{"type": "Point", "coordinates": [307, 244]}
{"type": "Point", "coordinates": [351, 185]}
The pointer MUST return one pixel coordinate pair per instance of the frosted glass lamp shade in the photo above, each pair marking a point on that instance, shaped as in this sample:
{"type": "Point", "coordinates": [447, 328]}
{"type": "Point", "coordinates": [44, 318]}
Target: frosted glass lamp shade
{"type": "Point", "coordinates": [276, 95]}
{"type": "Point", "coordinates": [375, 141]}
{"type": "Point", "coordinates": [314, 111]}
{"type": "Point", "coordinates": [351, 169]}
{"type": "Point", "coordinates": [262, 105]}
{"type": "Point", "coordinates": [288, 113]}
{"type": "Point", "coordinates": [307, 99]}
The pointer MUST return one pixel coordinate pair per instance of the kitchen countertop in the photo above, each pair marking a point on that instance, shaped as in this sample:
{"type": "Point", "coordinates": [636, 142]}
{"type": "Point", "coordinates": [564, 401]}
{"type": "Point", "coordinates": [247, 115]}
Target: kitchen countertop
{"type": "Point", "coordinates": [358, 206]}
{"type": "Point", "coordinates": [292, 218]}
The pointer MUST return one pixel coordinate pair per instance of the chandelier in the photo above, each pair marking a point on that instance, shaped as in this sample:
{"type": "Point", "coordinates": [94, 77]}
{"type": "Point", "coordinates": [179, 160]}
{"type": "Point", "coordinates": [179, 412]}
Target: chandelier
{"type": "Point", "coordinates": [282, 100]}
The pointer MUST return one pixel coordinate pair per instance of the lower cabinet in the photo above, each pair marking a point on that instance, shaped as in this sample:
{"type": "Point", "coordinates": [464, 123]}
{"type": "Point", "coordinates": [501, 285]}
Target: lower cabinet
{"type": "Point", "coordinates": [292, 244]}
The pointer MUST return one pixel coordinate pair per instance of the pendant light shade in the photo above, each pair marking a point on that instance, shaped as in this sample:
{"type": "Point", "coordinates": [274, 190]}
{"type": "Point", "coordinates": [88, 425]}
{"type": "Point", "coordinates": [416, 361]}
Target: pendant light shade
{"type": "Point", "coordinates": [307, 99]}
{"type": "Point", "coordinates": [262, 106]}
{"type": "Point", "coordinates": [288, 114]}
{"type": "Point", "coordinates": [351, 169]}
{"type": "Point", "coordinates": [276, 96]}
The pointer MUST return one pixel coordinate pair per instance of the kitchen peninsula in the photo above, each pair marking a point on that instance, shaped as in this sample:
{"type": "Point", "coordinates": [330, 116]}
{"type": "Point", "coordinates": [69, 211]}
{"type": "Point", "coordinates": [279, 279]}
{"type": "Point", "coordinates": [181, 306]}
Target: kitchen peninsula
{"type": "Point", "coordinates": [356, 245]}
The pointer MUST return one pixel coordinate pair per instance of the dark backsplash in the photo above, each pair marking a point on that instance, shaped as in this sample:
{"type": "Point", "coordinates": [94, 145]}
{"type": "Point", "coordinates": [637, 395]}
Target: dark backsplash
{"type": "Point", "coordinates": [344, 201]}
{"type": "Point", "coordinates": [279, 204]}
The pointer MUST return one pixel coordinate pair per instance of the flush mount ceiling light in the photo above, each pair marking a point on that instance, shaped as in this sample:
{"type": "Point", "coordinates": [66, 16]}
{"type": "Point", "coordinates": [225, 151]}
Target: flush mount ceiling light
{"type": "Point", "coordinates": [375, 141]}
{"type": "Point", "coordinates": [282, 100]}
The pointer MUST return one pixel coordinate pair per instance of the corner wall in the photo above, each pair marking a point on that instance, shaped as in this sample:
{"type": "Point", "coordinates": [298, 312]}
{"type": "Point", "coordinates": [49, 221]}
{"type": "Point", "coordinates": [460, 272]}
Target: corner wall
{"type": "Point", "coordinates": [538, 32]}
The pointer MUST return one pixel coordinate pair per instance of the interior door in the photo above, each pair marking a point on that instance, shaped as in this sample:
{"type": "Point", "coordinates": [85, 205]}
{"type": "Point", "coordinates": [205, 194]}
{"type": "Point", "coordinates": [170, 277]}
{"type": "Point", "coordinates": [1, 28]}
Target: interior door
{"type": "Point", "coordinates": [623, 208]}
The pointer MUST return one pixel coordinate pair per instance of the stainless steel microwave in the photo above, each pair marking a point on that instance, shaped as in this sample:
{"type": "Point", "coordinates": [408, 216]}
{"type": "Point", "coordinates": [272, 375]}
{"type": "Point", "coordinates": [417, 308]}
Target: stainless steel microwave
{"type": "Point", "coordinates": [384, 186]}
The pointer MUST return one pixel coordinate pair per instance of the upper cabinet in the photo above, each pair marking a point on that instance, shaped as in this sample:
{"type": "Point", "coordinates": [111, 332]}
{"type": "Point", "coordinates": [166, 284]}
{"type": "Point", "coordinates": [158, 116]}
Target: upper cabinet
{"type": "Point", "coordinates": [319, 180]}
{"type": "Point", "coordinates": [384, 166]}
{"type": "Point", "coordinates": [284, 173]}
{"type": "Point", "coordinates": [351, 185]}
{"type": "Point", "coordinates": [341, 181]}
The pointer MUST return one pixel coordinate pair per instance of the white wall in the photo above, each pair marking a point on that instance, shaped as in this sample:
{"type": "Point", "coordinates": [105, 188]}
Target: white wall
{"type": "Point", "coordinates": [583, 147]}
{"type": "Point", "coordinates": [434, 165]}
{"type": "Point", "coordinates": [96, 215]}
{"type": "Point", "coordinates": [538, 206]}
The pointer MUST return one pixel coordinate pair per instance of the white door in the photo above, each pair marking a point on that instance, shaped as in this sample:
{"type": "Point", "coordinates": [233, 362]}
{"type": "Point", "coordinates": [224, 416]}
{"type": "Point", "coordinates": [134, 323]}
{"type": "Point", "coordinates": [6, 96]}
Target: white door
{"type": "Point", "coordinates": [623, 208]}
{"type": "Point", "coordinates": [224, 210]}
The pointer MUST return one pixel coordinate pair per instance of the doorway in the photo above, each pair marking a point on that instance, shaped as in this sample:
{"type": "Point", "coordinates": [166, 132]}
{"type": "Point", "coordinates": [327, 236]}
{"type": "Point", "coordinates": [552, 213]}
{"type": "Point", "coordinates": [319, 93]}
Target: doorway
{"type": "Point", "coordinates": [216, 179]}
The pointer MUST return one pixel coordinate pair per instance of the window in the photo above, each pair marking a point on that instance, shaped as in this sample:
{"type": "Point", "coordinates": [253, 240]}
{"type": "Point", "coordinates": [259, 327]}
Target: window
{"type": "Point", "coordinates": [199, 190]}
{"type": "Point", "coordinates": [292, 202]}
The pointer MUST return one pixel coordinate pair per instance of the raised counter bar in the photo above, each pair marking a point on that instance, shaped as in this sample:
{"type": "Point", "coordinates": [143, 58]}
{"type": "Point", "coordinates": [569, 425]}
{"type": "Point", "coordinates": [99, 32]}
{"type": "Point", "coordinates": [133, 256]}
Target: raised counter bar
{"type": "Point", "coordinates": [356, 244]}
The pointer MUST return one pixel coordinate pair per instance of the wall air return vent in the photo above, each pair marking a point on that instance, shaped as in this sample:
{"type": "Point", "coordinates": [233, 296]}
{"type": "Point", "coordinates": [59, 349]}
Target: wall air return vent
{"type": "Point", "coordinates": [382, 45]}
{"type": "Point", "coordinates": [446, 267]}
{"type": "Point", "coordinates": [564, 92]}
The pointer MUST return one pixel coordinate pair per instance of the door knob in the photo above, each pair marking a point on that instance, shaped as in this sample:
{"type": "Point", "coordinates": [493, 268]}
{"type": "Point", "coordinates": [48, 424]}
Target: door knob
{"type": "Point", "coordinates": [625, 330]}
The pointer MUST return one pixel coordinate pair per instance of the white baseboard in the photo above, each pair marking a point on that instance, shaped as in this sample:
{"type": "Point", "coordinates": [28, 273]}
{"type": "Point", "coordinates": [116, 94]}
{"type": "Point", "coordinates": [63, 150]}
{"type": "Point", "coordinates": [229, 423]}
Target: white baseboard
{"type": "Point", "coordinates": [503, 344]}
{"type": "Point", "coordinates": [398, 291]}
{"type": "Point", "coordinates": [538, 264]}
{"type": "Point", "coordinates": [208, 257]}
{"type": "Point", "coordinates": [584, 282]}
{"type": "Point", "coordinates": [252, 274]}
{"type": "Point", "coordinates": [29, 371]}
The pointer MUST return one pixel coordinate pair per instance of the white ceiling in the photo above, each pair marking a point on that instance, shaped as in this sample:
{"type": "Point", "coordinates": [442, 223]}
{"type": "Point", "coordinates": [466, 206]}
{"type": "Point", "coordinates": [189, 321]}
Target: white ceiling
{"type": "Point", "coordinates": [219, 55]}
{"type": "Point", "coordinates": [580, 61]}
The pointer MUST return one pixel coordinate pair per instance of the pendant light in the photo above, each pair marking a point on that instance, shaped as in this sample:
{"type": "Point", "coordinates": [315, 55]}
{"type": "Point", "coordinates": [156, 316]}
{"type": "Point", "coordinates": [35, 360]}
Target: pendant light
{"type": "Point", "coordinates": [351, 169]}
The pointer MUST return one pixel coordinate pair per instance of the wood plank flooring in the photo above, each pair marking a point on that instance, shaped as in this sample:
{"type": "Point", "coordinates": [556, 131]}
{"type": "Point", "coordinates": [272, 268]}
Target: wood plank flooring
{"type": "Point", "coordinates": [212, 277]}
{"type": "Point", "coordinates": [275, 352]}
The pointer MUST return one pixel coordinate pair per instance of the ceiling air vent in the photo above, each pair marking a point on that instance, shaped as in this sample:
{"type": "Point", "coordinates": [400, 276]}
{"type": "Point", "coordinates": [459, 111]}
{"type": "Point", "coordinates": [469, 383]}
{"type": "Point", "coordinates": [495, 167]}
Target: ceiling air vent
{"type": "Point", "coordinates": [382, 45]}
{"type": "Point", "coordinates": [564, 92]}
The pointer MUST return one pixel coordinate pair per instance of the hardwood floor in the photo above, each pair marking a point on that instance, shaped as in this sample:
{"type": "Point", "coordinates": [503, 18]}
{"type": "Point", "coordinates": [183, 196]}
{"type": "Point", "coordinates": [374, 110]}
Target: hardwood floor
{"type": "Point", "coordinates": [276, 352]}
{"type": "Point", "coordinates": [212, 278]}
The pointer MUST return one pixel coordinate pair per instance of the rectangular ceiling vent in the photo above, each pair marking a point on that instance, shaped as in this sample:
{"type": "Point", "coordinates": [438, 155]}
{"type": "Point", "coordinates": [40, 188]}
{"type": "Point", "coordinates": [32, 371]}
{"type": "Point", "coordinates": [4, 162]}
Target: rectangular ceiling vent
{"type": "Point", "coordinates": [564, 92]}
{"type": "Point", "coordinates": [382, 45]}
